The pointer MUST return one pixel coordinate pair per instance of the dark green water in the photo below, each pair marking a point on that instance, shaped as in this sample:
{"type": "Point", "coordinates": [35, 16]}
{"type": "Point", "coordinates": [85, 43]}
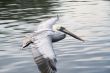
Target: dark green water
{"type": "Point", "coordinates": [90, 19]}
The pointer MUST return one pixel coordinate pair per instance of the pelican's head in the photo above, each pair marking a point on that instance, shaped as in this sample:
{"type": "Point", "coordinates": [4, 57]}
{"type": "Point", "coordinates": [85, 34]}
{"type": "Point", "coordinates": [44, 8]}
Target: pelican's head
{"type": "Point", "coordinates": [64, 30]}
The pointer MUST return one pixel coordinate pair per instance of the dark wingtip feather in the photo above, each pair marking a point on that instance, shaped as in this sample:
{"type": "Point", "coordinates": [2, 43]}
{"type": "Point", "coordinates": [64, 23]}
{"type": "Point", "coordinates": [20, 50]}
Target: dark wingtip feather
{"type": "Point", "coordinates": [52, 65]}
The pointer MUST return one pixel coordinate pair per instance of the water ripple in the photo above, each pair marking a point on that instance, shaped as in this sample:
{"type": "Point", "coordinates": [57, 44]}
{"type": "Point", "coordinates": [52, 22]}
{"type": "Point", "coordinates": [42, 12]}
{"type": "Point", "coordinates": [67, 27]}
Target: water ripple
{"type": "Point", "coordinates": [89, 19]}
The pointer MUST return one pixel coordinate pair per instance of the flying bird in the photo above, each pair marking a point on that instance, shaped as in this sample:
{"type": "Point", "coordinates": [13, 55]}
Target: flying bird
{"type": "Point", "coordinates": [41, 42]}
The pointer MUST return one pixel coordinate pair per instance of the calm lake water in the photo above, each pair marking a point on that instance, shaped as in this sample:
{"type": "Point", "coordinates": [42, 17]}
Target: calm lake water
{"type": "Point", "coordinates": [90, 19]}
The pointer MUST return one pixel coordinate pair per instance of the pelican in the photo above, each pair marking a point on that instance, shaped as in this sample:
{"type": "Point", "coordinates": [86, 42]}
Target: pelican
{"type": "Point", "coordinates": [41, 42]}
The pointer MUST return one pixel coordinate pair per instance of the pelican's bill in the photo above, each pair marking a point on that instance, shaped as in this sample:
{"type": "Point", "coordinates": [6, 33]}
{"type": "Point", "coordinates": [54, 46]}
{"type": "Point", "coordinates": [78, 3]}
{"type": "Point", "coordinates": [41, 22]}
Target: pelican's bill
{"type": "Point", "coordinates": [62, 29]}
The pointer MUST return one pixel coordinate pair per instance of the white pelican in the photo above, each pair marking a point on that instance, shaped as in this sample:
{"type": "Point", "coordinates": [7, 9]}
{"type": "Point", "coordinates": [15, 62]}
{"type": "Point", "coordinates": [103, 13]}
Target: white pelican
{"type": "Point", "coordinates": [41, 42]}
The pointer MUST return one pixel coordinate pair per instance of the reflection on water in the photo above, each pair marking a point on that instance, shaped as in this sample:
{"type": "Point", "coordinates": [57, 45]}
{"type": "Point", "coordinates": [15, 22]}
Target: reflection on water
{"type": "Point", "coordinates": [86, 18]}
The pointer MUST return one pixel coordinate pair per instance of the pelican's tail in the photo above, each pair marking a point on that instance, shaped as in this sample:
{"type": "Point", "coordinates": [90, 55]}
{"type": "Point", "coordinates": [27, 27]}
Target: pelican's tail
{"type": "Point", "coordinates": [45, 65]}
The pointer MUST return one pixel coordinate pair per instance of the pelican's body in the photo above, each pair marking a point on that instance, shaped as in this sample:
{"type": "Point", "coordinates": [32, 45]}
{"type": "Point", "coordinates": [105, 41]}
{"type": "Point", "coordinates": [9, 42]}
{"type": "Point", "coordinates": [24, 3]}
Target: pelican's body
{"type": "Point", "coordinates": [42, 48]}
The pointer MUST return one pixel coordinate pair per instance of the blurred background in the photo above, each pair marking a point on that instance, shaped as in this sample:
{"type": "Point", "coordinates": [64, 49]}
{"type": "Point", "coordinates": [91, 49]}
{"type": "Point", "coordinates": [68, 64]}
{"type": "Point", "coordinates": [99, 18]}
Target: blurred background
{"type": "Point", "coordinates": [89, 19]}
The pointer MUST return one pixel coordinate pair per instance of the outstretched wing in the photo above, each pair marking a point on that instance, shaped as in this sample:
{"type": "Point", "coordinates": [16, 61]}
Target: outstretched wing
{"type": "Point", "coordinates": [42, 49]}
{"type": "Point", "coordinates": [44, 55]}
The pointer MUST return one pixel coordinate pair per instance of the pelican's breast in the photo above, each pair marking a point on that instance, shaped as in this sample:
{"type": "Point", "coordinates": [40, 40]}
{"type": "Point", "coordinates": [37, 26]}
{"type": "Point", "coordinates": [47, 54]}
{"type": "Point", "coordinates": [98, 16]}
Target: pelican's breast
{"type": "Point", "coordinates": [57, 36]}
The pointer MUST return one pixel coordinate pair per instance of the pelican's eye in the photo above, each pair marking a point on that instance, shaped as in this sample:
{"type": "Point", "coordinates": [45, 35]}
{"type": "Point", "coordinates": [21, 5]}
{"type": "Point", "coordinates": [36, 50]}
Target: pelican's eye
{"type": "Point", "coordinates": [61, 28]}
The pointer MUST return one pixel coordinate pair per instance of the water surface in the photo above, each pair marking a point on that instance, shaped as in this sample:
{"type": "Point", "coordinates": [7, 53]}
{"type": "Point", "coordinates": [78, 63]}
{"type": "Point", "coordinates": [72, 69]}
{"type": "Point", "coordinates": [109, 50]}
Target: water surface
{"type": "Point", "coordinates": [89, 19]}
